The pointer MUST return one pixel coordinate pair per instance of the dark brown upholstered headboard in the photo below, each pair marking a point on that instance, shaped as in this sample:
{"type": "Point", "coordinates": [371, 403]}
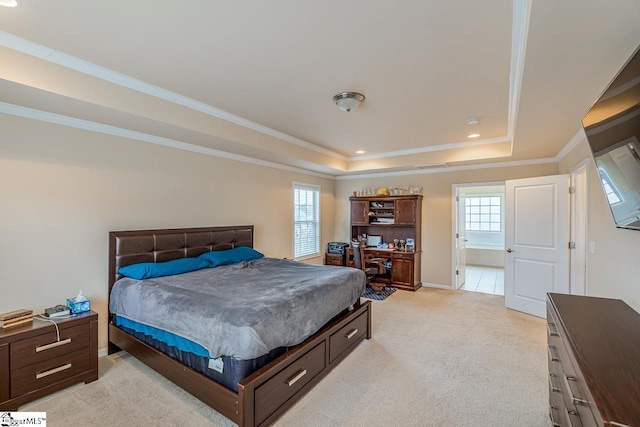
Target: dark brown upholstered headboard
{"type": "Point", "coordinates": [132, 247]}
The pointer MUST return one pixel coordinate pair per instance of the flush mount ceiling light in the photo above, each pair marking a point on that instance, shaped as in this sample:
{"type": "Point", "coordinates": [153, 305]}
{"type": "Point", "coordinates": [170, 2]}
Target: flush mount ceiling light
{"type": "Point", "coordinates": [472, 121]}
{"type": "Point", "coordinates": [473, 135]}
{"type": "Point", "coordinates": [360, 152]}
{"type": "Point", "coordinates": [348, 101]}
{"type": "Point", "coordinates": [9, 3]}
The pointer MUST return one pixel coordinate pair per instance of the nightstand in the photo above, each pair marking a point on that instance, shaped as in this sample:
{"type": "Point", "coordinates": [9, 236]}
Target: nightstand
{"type": "Point", "coordinates": [333, 259]}
{"type": "Point", "coordinates": [34, 363]}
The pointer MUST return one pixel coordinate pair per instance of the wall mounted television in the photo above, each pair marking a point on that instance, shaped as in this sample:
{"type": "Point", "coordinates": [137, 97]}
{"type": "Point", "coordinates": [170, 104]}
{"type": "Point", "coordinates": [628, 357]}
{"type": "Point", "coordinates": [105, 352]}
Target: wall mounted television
{"type": "Point", "coordinates": [612, 126]}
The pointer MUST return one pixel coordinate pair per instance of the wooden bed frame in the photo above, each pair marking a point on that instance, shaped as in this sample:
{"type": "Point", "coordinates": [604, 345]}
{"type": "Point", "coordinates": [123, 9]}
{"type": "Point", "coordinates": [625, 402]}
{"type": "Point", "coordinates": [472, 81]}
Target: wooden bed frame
{"type": "Point", "coordinates": [267, 393]}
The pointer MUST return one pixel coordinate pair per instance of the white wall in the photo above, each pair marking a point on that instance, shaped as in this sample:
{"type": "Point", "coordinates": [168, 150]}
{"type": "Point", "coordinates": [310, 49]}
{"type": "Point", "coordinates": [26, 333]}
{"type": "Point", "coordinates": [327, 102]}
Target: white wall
{"type": "Point", "coordinates": [63, 189]}
{"type": "Point", "coordinates": [613, 271]}
{"type": "Point", "coordinates": [487, 257]}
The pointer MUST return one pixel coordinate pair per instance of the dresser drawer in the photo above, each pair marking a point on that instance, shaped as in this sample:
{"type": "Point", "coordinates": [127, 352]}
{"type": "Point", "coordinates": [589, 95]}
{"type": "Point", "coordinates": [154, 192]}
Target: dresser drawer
{"type": "Point", "coordinates": [47, 372]}
{"type": "Point", "coordinates": [350, 334]}
{"type": "Point", "coordinates": [46, 346]}
{"type": "Point", "coordinates": [277, 390]}
{"type": "Point", "coordinates": [403, 255]}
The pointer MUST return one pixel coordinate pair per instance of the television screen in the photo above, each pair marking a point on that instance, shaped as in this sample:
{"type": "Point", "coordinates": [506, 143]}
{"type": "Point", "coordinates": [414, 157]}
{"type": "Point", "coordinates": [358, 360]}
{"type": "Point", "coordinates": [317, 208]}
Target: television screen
{"type": "Point", "coordinates": [612, 126]}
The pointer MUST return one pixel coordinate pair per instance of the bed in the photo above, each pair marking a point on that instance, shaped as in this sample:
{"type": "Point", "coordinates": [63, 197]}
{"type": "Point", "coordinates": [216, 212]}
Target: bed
{"type": "Point", "coordinates": [247, 396]}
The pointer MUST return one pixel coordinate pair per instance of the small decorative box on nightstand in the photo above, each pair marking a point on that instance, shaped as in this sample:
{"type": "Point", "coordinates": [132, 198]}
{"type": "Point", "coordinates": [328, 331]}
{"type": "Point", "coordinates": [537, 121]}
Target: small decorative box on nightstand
{"type": "Point", "coordinates": [34, 362]}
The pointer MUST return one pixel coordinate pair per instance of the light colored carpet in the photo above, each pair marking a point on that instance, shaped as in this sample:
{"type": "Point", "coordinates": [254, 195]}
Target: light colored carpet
{"type": "Point", "coordinates": [436, 358]}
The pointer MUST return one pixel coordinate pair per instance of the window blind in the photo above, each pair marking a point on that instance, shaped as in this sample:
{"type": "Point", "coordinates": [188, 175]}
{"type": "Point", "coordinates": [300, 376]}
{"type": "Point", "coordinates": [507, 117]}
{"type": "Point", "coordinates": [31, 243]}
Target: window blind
{"type": "Point", "coordinates": [306, 220]}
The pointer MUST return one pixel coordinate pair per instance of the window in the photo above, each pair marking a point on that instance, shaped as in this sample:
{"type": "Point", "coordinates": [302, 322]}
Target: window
{"type": "Point", "coordinates": [483, 213]}
{"type": "Point", "coordinates": [610, 190]}
{"type": "Point", "coordinates": [306, 220]}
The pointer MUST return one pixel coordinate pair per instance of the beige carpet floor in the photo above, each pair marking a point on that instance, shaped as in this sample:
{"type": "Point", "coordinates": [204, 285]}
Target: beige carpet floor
{"type": "Point", "coordinates": [437, 358]}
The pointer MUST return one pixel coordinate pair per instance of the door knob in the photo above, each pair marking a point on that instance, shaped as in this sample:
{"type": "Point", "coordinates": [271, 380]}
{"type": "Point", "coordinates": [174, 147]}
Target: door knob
{"type": "Point", "coordinates": [510, 250]}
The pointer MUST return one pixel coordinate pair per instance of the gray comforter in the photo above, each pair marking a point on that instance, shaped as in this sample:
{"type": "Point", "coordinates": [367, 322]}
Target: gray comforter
{"type": "Point", "coordinates": [242, 310]}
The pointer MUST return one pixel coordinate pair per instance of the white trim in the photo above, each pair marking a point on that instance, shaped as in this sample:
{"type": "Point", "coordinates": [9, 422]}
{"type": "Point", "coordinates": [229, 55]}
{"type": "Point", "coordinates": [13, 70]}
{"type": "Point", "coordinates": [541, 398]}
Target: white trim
{"type": "Point", "coordinates": [313, 187]}
{"type": "Point", "coordinates": [450, 169]}
{"type": "Point", "coordinates": [431, 148]}
{"type": "Point", "coordinates": [573, 143]}
{"type": "Point", "coordinates": [44, 116]}
{"type": "Point", "coordinates": [68, 61]}
{"type": "Point", "coordinates": [577, 168]}
{"type": "Point", "coordinates": [435, 285]}
{"type": "Point", "coordinates": [521, 18]}
{"type": "Point", "coordinates": [455, 192]}
{"type": "Point", "coordinates": [103, 352]}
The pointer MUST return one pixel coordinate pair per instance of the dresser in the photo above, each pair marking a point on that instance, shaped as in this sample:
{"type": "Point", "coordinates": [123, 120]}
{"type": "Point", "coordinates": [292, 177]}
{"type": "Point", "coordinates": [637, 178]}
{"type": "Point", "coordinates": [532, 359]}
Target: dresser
{"type": "Point", "coordinates": [35, 360]}
{"type": "Point", "coordinates": [594, 361]}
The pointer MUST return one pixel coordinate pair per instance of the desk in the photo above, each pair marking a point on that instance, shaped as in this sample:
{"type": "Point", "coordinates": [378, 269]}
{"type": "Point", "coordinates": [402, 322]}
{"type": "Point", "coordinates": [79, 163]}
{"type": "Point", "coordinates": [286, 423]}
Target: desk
{"type": "Point", "coordinates": [405, 267]}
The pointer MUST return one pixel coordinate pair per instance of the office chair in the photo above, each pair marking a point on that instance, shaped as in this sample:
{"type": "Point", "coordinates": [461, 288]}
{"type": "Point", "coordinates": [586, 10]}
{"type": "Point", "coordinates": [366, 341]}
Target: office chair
{"type": "Point", "coordinates": [371, 266]}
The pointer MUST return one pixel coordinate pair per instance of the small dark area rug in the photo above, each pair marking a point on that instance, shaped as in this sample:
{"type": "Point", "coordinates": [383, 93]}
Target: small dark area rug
{"type": "Point", "coordinates": [378, 295]}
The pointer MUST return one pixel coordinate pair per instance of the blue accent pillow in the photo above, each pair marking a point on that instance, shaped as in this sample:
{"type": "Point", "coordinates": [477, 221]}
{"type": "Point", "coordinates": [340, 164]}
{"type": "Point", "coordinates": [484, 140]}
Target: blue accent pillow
{"type": "Point", "coordinates": [147, 270]}
{"type": "Point", "coordinates": [230, 256]}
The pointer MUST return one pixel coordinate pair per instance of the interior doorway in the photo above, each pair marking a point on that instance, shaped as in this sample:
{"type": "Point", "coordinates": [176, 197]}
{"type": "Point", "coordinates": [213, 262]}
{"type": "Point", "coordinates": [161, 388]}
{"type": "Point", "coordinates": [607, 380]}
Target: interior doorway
{"type": "Point", "coordinates": [478, 237]}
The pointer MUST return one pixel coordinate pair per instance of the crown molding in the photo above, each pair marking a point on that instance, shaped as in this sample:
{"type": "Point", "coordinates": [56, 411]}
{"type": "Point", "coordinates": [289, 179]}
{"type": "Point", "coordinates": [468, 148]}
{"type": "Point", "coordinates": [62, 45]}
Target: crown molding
{"type": "Point", "coordinates": [58, 119]}
{"type": "Point", "coordinates": [429, 149]}
{"type": "Point", "coordinates": [573, 143]}
{"type": "Point", "coordinates": [521, 18]}
{"type": "Point", "coordinates": [451, 169]}
{"type": "Point", "coordinates": [68, 61]}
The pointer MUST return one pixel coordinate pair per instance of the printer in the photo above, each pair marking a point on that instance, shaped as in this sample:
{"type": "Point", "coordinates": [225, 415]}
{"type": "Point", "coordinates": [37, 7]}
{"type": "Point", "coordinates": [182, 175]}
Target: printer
{"type": "Point", "coordinates": [337, 248]}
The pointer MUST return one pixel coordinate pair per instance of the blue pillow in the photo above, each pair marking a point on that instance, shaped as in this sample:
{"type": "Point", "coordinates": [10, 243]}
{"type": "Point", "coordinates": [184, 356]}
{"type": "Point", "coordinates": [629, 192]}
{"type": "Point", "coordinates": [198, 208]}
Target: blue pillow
{"type": "Point", "coordinates": [147, 270]}
{"type": "Point", "coordinates": [230, 256]}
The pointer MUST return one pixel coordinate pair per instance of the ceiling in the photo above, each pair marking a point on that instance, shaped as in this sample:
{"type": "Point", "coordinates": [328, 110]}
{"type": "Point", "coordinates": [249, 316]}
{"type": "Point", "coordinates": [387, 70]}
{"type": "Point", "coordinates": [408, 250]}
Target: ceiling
{"type": "Point", "coordinates": [254, 80]}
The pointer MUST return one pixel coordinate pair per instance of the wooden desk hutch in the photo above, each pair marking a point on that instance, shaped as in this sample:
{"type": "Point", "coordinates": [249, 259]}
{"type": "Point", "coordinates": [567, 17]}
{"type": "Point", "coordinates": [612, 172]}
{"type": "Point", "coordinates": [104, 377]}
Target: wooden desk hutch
{"type": "Point", "coordinates": [392, 217]}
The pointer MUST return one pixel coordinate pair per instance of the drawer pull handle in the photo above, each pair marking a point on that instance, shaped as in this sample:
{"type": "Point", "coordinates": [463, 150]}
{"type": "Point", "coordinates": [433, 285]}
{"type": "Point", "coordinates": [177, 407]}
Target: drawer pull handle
{"type": "Point", "coordinates": [575, 400]}
{"type": "Point", "coordinates": [52, 345]}
{"type": "Point", "coordinates": [553, 333]}
{"type": "Point", "coordinates": [53, 371]}
{"type": "Point", "coordinates": [552, 356]}
{"type": "Point", "coordinates": [569, 413]}
{"type": "Point", "coordinates": [291, 381]}
{"type": "Point", "coordinates": [351, 334]}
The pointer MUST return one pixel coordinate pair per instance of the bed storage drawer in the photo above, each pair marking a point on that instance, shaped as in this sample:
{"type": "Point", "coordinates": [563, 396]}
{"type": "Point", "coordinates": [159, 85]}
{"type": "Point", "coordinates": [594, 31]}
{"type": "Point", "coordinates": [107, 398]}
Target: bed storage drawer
{"type": "Point", "coordinates": [275, 392]}
{"type": "Point", "coordinates": [46, 346]}
{"type": "Point", "coordinates": [350, 334]}
{"type": "Point", "coordinates": [47, 372]}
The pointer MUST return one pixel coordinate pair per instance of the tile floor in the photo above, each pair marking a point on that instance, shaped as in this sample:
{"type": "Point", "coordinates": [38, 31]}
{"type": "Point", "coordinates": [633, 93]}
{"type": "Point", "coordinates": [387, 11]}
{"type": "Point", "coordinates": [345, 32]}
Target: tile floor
{"type": "Point", "coordinates": [489, 280]}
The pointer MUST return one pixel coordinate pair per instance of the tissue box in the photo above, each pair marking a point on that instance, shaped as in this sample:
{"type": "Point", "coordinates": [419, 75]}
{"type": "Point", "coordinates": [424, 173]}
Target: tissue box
{"type": "Point", "coordinates": [78, 307]}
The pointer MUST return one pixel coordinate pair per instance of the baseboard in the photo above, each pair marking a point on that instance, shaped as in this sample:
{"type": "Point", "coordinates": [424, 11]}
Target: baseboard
{"type": "Point", "coordinates": [103, 352]}
{"type": "Point", "coordinates": [435, 285]}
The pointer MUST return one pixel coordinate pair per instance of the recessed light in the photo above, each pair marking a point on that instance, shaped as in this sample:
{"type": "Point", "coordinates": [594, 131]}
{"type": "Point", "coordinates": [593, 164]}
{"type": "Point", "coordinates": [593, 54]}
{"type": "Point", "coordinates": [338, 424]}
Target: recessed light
{"type": "Point", "coordinates": [360, 152]}
{"type": "Point", "coordinates": [9, 3]}
{"type": "Point", "coordinates": [473, 135]}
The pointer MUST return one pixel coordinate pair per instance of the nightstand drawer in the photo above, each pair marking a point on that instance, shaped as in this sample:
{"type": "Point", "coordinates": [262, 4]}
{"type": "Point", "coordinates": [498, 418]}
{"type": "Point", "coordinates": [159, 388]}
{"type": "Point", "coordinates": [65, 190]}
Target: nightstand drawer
{"type": "Point", "coordinates": [47, 372]}
{"type": "Point", "coordinates": [46, 346]}
{"type": "Point", "coordinates": [333, 259]}
{"type": "Point", "coordinates": [403, 255]}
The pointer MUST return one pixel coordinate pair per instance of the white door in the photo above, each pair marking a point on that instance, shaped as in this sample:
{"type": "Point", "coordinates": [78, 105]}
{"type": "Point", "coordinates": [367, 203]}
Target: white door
{"type": "Point", "coordinates": [537, 242]}
{"type": "Point", "coordinates": [461, 243]}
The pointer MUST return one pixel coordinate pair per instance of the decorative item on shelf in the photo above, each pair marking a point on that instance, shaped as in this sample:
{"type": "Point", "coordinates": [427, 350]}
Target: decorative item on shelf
{"type": "Point", "coordinates": [382, 191]}
{"type": "Point", "coordinates": [402, 243]}
{"type": "Point", "coordinates": [411, 245]}
{"type": "Point", "coordinates": [355, 194]}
